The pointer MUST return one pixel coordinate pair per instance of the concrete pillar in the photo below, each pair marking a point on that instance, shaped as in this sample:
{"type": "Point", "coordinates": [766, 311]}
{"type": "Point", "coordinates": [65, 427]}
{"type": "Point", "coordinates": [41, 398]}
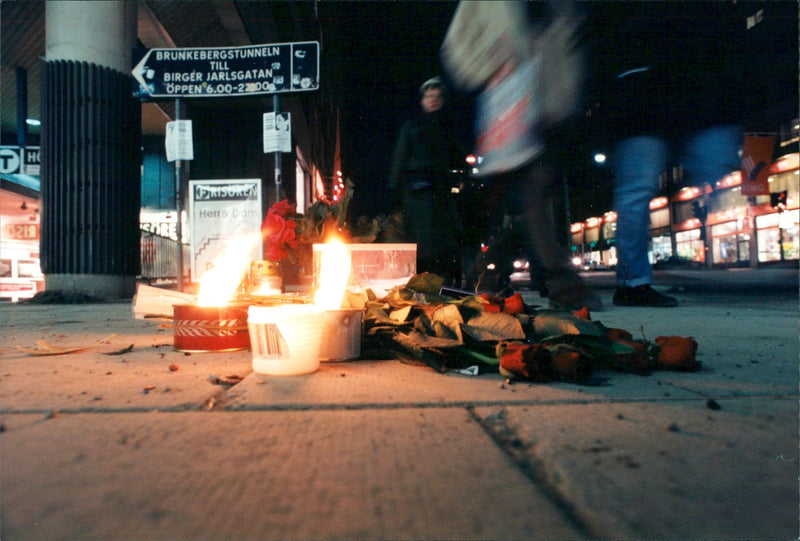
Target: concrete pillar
{"type": "Point", "coordinates": [91, 128]}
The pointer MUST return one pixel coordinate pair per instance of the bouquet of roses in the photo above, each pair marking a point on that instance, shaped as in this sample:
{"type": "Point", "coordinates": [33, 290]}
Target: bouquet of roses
{"type": "Point", "coordinates": [289, 236]}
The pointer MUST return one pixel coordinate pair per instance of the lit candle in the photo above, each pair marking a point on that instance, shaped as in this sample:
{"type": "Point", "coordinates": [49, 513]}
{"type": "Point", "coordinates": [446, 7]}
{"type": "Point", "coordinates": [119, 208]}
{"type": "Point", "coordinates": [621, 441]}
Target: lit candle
{"type": "Point", "coordinates": [285, 339]}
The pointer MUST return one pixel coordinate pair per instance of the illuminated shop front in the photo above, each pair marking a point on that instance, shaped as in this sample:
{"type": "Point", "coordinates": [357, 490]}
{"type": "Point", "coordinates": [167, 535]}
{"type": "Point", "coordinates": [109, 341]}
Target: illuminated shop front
{"type": "Point", "coordinates": [20, 274]}
{"type": "Point", "coordinates": [608, 233]}
{"type": "Point", "coordinates": [599, 234]}
{"type": "Point", "coordinates": [719, 226]}
{"type": "Point", "coordinates": [689, 243]}
{"type": "Point", "coordinates": [730, 240]}
{"type": "Point", "coordinates": [777, 236]}
{"type": "Point", "coordinates": [20, 224]}
{"type": "Point", "coordinates": [776, 218]}
{"type": "Point", "coordinates": [660, 237]}
{"type": "Point", "coordinates": [577, 245]}
{"type": "Point", "coordinates": [730, 226]}
{"type": "Point", "coordinates": [689, 214]}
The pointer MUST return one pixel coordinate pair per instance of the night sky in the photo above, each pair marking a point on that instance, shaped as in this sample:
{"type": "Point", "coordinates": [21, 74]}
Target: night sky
{"type": "Point", "coordinates": [388, 49]}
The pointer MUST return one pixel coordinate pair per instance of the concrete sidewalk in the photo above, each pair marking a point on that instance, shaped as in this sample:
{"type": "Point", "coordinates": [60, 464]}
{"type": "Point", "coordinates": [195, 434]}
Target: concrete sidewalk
{"type": "Point", "coordinates": [144, 442]}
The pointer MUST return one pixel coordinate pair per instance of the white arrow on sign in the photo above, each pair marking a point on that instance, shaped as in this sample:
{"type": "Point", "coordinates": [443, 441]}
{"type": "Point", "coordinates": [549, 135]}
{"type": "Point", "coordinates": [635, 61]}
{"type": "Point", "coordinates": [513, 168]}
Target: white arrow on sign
{"type": "Point", "coordinates": [139, 69]}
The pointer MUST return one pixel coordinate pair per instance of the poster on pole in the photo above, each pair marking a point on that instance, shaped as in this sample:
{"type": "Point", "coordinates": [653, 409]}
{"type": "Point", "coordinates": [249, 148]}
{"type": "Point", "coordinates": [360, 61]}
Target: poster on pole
{"type": "Point", "coordinates": [179, 140]}
{"type": "Point", "coordinates": [277, 132]}
{"type": "Point", "coordinates": [222, 213]}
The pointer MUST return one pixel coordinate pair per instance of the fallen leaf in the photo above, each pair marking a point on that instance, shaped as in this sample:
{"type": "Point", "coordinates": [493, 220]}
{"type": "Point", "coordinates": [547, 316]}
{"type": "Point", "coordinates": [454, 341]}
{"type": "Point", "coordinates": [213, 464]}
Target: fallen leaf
{"type": "Point", "coordinates": [122, 351]}
{"type": "Point", "coordinates": [427, 283]}
{"type": "Point", "coordinates": [43, 348]}
{"type": "Point", "coordinates": [449, 317]}
{"type": "Point", "coordinates": [556, 324]}
{"type": "Point", "coordinates": [615, 334]}
{"type": "Point", "coordinates": [631, 355]}
{"type": "Point", "coordinates": [487, 326]}
{"type": "Point", "coordinates": [400, 315]}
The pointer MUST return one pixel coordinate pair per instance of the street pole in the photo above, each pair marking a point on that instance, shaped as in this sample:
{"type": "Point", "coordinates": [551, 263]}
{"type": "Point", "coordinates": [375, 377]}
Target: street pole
{"type": "Point", "coordinates": [276, 109]}
{"type": "Point", "coordinates": [179, 204]}
{"type": "Point", "coordinates": [565, 184]}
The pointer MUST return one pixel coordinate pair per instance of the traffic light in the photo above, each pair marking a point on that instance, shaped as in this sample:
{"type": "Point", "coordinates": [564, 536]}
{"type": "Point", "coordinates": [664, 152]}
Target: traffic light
{"type": "Point", "coordinates": [778, 200]}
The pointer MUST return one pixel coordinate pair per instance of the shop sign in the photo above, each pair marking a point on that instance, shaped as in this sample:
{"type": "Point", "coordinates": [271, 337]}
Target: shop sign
{"type": "Point", "coordinates": [8, 285]}
{"type": "Point", "coordinates": [222, 212]}
{"type": "Point", "coordinates": [20, 160]}
{"type": "Point", "coordinates": [227, 71]}
{"type": "Point", "coordinates": [21, 231]}
{"type": "Point", "coordinates": [785, 163]}
{"type": "Point", "coordinates": [756, 159]}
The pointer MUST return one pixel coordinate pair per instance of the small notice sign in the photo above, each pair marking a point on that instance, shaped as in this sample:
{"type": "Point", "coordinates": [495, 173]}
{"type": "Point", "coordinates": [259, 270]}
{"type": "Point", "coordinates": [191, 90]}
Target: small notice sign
{"type": "Point", "coordinates": [277, 132]}
{"type": "Point", "coordinates": [179, 140]}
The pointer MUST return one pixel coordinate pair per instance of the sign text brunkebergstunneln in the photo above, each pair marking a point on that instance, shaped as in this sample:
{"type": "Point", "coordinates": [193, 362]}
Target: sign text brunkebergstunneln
{"type": "Point", "coordinates": [227, 71]}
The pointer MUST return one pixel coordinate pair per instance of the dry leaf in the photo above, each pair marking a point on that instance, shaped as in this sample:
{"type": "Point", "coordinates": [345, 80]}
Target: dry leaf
{"type": "Point", "coordinates": [43, 348]}
{"type": "Point", "coordinates": [491, 326]}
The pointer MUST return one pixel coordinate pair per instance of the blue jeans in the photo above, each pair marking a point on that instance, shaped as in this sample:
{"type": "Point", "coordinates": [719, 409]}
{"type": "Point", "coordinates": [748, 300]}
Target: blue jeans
{"type": "Point", "coordinates": [639, 161]}
{"type": "Point", "coordinates": [709, 155]}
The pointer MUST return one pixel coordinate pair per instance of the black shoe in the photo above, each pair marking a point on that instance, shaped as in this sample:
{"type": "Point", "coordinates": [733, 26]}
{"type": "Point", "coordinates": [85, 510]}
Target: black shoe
{"type": "Point", "coordinates": [642, 296]}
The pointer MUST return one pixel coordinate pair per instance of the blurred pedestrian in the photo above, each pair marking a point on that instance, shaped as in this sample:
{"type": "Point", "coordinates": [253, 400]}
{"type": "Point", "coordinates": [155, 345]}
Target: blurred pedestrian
{"type": "Point", "coordinates": [529, 80]}
{"type": "Point", "coordinates": [669, 101]}
{"type": "Point", "coordinates": [426, 151]}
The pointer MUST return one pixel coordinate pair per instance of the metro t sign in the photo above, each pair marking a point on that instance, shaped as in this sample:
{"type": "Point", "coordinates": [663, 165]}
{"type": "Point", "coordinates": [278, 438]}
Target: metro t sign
{"type": "Point", "coordinates": [227, 71]}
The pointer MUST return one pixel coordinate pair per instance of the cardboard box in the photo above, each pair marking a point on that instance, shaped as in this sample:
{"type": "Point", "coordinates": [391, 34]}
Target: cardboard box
{"type": "Point", "coordinates": [375, 266]}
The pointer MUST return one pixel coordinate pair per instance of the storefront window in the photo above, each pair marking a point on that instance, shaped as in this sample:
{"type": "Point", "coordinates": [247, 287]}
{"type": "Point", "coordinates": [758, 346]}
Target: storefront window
{"type": "Point", "coordinates": [778, 236]}
{"type": "Point", "coordinates": [661, 248]}
{"type": "Point", "coordinates": [729, 244]}
{"type": "Point", "coordinates": [592, 234]}
{"type": "Point", "coordinates": [609, 230]}
{"type": "Point", "coordinates": [659, 218]}
{"type": "Point", "coordinates": [690, 246]}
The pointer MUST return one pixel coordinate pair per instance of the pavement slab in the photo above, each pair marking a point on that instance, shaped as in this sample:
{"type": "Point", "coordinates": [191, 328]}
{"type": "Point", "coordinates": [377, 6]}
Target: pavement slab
{"type": "Point", "coordinates": [131, 439]}
{"type": "Point", "coordinates": [663, 471]}
{"type": "Point", "coordinates": [386, 474]}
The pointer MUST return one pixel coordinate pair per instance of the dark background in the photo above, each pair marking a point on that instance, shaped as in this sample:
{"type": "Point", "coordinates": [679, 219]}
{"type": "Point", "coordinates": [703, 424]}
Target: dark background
{"type": "Point", "coordinates": [387, 49]}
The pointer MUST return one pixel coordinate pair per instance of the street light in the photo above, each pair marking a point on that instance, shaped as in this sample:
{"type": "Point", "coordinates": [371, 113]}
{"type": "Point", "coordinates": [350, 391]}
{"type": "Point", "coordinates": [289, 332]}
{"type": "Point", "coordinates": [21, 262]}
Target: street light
{"type": "Point", "coordinates": [600, 158]}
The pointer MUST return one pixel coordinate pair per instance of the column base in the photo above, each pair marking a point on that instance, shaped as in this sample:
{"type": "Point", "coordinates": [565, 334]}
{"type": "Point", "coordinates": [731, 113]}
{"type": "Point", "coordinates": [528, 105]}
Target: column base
{"type": "Point", "coordinates": [101, 286]}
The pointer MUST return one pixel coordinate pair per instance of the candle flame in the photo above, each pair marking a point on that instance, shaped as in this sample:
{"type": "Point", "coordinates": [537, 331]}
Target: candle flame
{"type": "Point", "coordinates": [333, 276]}
{"type": "Point", "coordinates": [219, 283]}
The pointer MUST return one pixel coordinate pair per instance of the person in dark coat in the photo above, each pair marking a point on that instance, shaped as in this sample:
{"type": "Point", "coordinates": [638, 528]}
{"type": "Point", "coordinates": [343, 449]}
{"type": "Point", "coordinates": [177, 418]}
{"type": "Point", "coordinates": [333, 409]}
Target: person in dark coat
{"type": "Point", "coordinates": [426, 151]}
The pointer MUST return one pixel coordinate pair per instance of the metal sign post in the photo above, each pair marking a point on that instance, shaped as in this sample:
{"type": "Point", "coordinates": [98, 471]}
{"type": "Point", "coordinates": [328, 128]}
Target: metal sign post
{"type": "Point", "coordinates": [179, 204]}
{"type": "Point", "coordinates": [278, 179]}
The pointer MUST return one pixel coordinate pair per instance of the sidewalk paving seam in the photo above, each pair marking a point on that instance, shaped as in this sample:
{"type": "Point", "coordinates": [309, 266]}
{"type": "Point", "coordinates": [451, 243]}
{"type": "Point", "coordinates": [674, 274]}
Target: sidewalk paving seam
{"type": "Point", "coordinates": [219, 407]}
{"type": "Point", "coordinates": [511, 445]}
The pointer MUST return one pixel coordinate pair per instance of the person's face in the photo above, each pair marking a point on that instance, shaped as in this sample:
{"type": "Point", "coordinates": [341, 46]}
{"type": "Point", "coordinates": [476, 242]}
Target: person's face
{"type": "Point", "coordinates": [432, 100]}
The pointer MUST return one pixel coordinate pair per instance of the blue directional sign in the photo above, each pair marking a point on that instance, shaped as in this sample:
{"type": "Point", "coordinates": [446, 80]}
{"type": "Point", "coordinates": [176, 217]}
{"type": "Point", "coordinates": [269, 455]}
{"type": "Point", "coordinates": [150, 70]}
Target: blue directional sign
{"type": "Point", "coordinates": [227, 71]}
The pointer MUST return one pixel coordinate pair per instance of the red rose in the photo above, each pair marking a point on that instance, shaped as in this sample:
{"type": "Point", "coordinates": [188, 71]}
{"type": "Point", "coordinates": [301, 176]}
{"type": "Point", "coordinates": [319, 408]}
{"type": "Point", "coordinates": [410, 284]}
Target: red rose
{"type": "Point", "coordinates": [282, 208]}
{"type": "Point", "coordinates": [279, 235]}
